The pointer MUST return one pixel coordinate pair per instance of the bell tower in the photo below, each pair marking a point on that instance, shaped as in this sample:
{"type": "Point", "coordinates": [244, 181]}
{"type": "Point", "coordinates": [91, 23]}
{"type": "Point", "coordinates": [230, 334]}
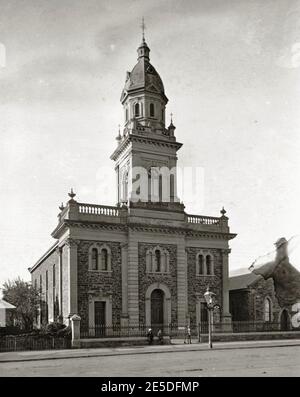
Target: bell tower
{"type": "Point", "coordinates": [144, 142]}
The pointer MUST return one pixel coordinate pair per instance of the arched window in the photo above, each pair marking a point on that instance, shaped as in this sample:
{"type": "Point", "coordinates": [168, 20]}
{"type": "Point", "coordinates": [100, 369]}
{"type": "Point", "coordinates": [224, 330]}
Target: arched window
{"type": "Point", "coordinates": [137, 110]}
{"type": "Point", "coordinates": [152, 111]}
{"type": "Point", "coordinates": [158, 261]}
{"type": "Point", "coordinates": [94, 259]}
{"type": "Point", "coordinates": [126, 114]}
{"type": "Point", "coordinates": [104, 259]}
{"type": "Point", "coordinates": [267, 310]}
{"type": "Point", "coordinates": [200, 264]}
{"type": "Point", "coordinates": [209, 265]}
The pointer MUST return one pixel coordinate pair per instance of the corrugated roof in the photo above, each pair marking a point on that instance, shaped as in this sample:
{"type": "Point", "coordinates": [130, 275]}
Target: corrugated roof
{"type": "Point", "coordinates": [243, 281]}
{"type": "Point", "coordinates": [6, 305]}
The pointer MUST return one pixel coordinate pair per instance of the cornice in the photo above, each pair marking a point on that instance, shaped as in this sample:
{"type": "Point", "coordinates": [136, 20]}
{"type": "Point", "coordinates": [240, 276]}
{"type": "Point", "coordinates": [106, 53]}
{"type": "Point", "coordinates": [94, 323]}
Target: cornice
{"type": "Point", "coordinates": [151, 228]}
{"type": "Point", "coordinates": [143, 139]}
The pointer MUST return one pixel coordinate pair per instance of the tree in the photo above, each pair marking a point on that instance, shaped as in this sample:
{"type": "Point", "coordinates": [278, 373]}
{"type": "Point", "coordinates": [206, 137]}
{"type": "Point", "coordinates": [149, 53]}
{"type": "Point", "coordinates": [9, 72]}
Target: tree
{"type": "Point", "coordinates": [25, 297]}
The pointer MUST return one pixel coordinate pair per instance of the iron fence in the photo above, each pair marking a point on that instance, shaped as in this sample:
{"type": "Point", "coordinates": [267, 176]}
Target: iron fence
{"type": "Point", "coordinates": [175, 331]}
{"type": "Point", "coordinates": [22, 343]}
{"type": "Point", "coordinates": [117, 331]}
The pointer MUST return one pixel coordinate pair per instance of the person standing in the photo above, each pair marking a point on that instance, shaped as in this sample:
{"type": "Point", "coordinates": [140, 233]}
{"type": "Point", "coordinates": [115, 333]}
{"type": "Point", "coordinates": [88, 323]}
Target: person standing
{"type": "Point", "coordinates": [150, 336]}
{"type": "Point", "coordinates": [189, 337]}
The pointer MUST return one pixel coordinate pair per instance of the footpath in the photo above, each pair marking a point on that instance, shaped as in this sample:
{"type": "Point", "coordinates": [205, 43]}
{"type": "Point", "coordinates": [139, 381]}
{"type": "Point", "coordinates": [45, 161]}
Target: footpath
{"type": "Point", "coordinates": [176, 346]}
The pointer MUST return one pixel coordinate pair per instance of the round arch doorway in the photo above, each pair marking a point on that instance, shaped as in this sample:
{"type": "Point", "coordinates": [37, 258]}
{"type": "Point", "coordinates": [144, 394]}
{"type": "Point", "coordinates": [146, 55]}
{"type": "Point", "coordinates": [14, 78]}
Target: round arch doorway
{"type": "Point", "coordinates": [284, 320]}
{"type": "Point", "coordinates": [157, 309]}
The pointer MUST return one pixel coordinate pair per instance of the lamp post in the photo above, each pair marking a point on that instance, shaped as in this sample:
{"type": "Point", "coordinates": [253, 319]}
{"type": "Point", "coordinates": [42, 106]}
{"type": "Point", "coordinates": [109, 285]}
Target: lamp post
{"type": "Point", "coordinates": [210, 298]}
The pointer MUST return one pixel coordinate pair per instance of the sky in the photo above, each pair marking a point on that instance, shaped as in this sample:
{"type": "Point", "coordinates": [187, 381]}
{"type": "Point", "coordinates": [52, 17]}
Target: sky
{"type": "Point", "coordinates": [231, 71]}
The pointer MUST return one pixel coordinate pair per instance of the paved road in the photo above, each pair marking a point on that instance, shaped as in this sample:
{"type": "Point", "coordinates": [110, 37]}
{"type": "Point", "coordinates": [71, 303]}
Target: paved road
{"type": "Point", "coordinates": [260, 361]}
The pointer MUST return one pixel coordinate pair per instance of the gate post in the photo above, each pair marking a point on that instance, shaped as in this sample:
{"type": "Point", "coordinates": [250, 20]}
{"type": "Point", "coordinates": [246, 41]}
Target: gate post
{"type": "Point", "coordinates": [75, 325]}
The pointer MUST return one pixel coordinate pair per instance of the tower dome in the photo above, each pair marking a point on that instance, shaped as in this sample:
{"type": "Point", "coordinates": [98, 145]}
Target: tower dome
{"type": "Point", "coordinates": [143, 76]}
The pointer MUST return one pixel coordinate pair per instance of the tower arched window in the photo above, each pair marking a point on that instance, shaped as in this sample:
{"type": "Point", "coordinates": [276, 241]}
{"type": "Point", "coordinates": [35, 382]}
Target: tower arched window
{"type": "Point", "coordinates": [158, 260]}
{"type": "Point", "coordinates": [104, 259]}
{"type": "Point", "coordinates": [209, 265]}
{"type": "Point", "coordinates": [154, 185]}
{"type": "Point", "coordinates": [126, 114]}
{"type": "Point", "coordinates": [137, 110]}
{"type": "Point", "coordinates": [267, 310]}
{"type": "Point", "coordinates": [94, 259]}
{"type": "Point", "coordinates": [152, 110]}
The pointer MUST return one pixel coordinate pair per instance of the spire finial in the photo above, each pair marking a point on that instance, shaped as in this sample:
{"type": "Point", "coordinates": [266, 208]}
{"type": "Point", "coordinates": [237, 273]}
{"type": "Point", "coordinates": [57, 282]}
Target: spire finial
{"type": "Point", "coordinates": [223, 211]}
{"type": "Point", "coordinates": [118, 138]}
{"type": "Point", "coordinates": [171, 115]}
{"type": "Point", "coordinates": [143, 26]}
{"type": "Point", "coordinates": [72, 194]}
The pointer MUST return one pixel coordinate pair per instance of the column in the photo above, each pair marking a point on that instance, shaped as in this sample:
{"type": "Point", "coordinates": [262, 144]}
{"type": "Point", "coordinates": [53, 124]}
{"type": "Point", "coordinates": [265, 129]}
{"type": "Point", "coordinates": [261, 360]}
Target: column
{"type": "Point", "coordinates": [133, 279]}
{"type": "Point", "coordinates": [181, 284]}
{"type": "Point", "coordinates": [124, 267]}
{"type": "Point", "coordinates": [226, 316]}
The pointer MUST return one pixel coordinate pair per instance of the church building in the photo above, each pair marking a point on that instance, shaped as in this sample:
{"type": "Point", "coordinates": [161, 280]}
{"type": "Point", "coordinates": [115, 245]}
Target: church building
{"type": "Point", "coordinates": [144, 261]}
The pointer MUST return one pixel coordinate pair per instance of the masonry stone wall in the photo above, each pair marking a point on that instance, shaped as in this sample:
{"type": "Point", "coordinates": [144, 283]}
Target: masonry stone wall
{"type": "Point", "coordinates": [262, 290]}
{"type": "Point", "coordinates": [240, 305]}
{"type": "Point", "coordinates": [197, 284]}
{"type": "Point", "coordinates": [94, 283]}
{"type": "Point", "coordinates": [146, 279]}
{"type": "Point", "coordinates": [248, 304]}
{"type": "Point", "coordinates": [50, 294]}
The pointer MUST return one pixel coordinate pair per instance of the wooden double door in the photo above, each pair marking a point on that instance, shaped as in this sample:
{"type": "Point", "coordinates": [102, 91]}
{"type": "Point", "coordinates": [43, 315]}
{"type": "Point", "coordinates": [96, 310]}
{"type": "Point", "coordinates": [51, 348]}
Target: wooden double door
{"type": "Point", "coordinates": [157, 310]}
{"type": "Point", "coordinates": [100, 315]}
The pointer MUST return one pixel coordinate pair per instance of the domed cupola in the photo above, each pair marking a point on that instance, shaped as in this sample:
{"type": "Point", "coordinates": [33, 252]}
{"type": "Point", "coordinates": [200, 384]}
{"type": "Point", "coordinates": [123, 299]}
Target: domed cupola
{"type": "Point", "coordinates": [143, 75]}
{"type": "Point", "coordinates": [143, 96]}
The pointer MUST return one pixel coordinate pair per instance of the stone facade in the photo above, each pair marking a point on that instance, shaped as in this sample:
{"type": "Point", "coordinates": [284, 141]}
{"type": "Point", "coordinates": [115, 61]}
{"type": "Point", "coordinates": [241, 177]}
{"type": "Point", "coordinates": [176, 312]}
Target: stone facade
{"type": "Point", "coordinates": [147, 279]}
{"type": "Point", "coordinates": [97, 283]}
{"type": "Point", "coordinates": [197, 284]}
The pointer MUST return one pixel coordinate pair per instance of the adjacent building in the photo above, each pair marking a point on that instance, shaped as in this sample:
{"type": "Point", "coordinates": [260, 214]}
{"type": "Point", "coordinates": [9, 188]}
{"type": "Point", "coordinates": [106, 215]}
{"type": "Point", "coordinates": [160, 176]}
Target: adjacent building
{"type": "Point", "coordinates": [253, 299]}
{"type": "Point", "coordinates": [6, 312]}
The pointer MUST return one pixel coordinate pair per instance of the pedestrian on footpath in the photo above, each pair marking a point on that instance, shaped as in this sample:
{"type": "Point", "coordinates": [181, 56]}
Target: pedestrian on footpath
{"type": "Point", "coordinates": [150, 336]}
{"type": "Point", "coordinates": [189, 337]}
{"type": "Point", "coordinates": [160, 336]}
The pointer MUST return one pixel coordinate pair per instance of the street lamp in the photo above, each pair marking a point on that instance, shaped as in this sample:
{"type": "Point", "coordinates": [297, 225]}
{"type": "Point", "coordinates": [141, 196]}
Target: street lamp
{"type": "Point", "coordinates": [210, 298]}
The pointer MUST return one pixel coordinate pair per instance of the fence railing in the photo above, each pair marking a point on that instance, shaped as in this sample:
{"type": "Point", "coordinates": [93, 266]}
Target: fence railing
{"type": "Point", "coordinates": [173, 330]}
{"type": "Point", "coordinates": [117, 331]}
{"type": "Point", "coordinates": [22, 343]}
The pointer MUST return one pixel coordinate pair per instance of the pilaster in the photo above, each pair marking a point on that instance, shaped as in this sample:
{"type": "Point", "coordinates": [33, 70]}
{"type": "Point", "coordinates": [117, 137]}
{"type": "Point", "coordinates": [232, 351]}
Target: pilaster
{"type": "Point", "coordinates": [133, 279]}
{"type": "Point", "coordinates": [181, 284]}
{"type": "Point", "coordinates": [124, 267]}
{"type": "Point", "coordinates": [72, 273]}
{"type": "Point", "coordinates": [226, 316]}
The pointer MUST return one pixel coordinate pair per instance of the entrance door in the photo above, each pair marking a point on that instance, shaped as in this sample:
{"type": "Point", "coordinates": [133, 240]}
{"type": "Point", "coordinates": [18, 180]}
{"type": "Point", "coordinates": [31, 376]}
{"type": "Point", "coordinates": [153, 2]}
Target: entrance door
{"type": "Point", "coordinates": [284, 321]}
{"type": "Point", "coordinates": [157, 310]}
{"type": "Point", "coordinates": [100, 318]}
